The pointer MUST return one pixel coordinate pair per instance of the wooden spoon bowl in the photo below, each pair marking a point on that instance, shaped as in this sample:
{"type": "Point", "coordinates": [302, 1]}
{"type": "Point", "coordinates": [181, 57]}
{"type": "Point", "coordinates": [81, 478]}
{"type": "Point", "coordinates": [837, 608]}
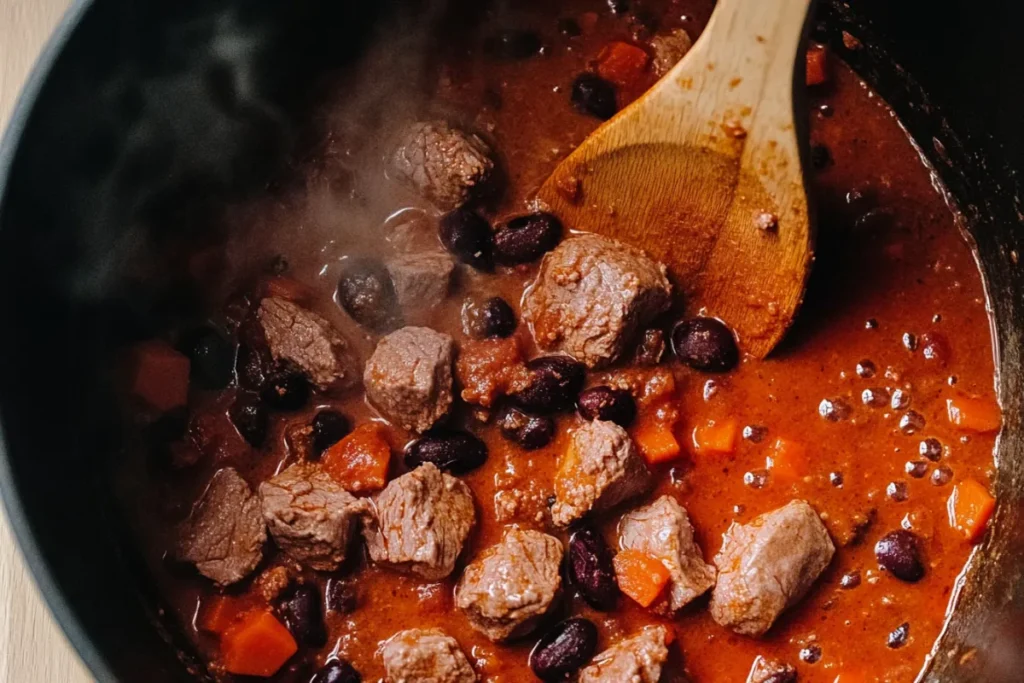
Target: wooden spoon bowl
{"type": "Point", "coordinates": [705, 172]}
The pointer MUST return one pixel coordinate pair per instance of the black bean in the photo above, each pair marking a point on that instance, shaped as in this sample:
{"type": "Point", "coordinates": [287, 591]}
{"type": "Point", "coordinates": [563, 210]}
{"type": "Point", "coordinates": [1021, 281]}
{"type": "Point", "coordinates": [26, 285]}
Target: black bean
{"type": "Point", "coordinates": [513, 43]}
{"type": "Point", "coordinates": [212, 357]}
{"type": "Point", "coordinates": [705, 344]}
{"type": "Point", "coordinates": [934, 347]}
{"type": "Point", "coordinates": [820, 157]}
{"type": "Point", "coordinates": [341, 597]}
{"type": "Point", "coordinates": [591, 570]}
{"type": "Point", "coordinates": [810, 654]}
{"type": "Point", "coordinates": [329, 427]}
{"type": "Point", "coordinates": [468, 237]}
{"type": "Point", "coordinates": [252, 365]}
{"type": "Point", "coordinates": [850, 580]}
{"type": "Point", "coordinates": [593, 95]}
{"type": "Point", "coordinates": [554, 382]}
{"type": "Point", "coordinates": [651, 347]}
{"type": "Point", "coordinates": [526, 238]}
{"type": "Point", "coordinates": [303, 615]}
{"type": "Point", "coordinates": [492, 318]}
{"type": "Point", "coordinates": [605, 403]}
{"type": "Point", "coordinates": [898, 553]}
{"type": "Point", "coordinates": [618, 6]}
{"type": "Point", "coordinates": [337, 671]}
{"type": "Point", "coordinates": [455, 452]}
{"type": "Point", "coordinates": [529, 431]}
{"type": "Point", "coordinates": [898, 636]}
{"type": "Point", "coordinates": [250, 419]}
{"type": "Point", "coordinates": [930, 448]}
{"type": "Point", "coordinates": [564, 649]}
{"type": "Point", "coordinates": [286, 391]}
{"type": "Point", "coordinates": [367, 294]}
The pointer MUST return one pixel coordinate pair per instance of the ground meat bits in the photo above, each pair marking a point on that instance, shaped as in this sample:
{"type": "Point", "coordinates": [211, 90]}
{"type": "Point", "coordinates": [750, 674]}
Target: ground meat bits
{"type": "Point", "coordinates": [426, 656]}
{"type": "Point", "coordinates": [600, 469]}
{"type": "Point", "coordinates": [420, 522]}
{"type": "Point", "coordinates": [304, 339]}
{"type": "Point", "coordinates": [592, 296]}
{"type": "Point", "coordinates": [409, 377]}
{"type": "Point", "coordinates": [637, 659]}
{"type": "Point", "coordinates": [224, 535]}
{"type": "Point", "coordinates": [767, 565]}
{"type": "Point", "coordinates": [509, 587]}
{"type": "Point", "coordinates": [663, 529]}
{"type": "Point", "coordinates": [488, 368]}
{"type": "Point", "coordinates": [447, 166]}
{"type": "Point", "coordinates": [310, 516]}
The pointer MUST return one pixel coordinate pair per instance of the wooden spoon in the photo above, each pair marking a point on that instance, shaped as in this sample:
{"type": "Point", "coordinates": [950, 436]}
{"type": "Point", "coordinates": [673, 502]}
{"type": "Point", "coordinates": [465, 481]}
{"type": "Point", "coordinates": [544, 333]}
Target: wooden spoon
{"type": "Point", "coordinates": [705, 172]}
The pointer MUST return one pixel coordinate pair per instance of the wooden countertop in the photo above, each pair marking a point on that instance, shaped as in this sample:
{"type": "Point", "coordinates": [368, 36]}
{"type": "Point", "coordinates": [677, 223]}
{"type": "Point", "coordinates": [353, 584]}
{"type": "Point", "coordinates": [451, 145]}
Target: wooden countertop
{"type": "Point", "coordinates": [32, 647]}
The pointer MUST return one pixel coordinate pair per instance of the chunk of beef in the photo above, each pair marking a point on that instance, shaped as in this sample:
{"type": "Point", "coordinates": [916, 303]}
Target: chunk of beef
{"type": "Point", "coordinates": [637, 659]}
{"type": "Point", "coordinates": [446, 165]}
{"type": "Point", "coordinates": [224, 535]}
{"type": "Point", "coordinates": [302, 338]}
{"type": "Point", "coordinates": [420, 522]}
{"type": "Point", "coordinates": [592, 296]}
{"type": "Point", "coordinates": [767, 565]}
{"type": "Point", "coordinates": [426, 655]}
{"type": "Point", "coordinates": [663, 529]}
{"type": "Point", "coordinates": [409, 377]}
{"type": "Point", "coordinates": [310, 516]}
{"type": "Point", "coordinates": [421, 280]}
{"type": "Point", "coordinates": [771, 671]}
{"type": "Point", "coordinates": [668, 49]}
{"type": "Point", "coordinates": [600, 469]}
{"type": "Point", "coordinates": [510, 586]}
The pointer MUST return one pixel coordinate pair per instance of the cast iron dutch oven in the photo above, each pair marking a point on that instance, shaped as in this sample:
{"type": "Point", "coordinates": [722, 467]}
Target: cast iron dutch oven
{"type": "Point", "coordinates": [138, 109]}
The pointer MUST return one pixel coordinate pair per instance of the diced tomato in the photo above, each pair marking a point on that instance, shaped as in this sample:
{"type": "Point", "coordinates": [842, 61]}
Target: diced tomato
{"type": "Point", "coordinates": [970, 506]}
{"type": "Point", "coordinates": [716, 437]}
{"type": "Point", "coordinates": [159, 375]}
{"type": "Point", "coordinates": [359, 462]}
{"type": "Point", "coordinates": [622, 64]}
{"type": "Point", "coordinates": [817, 64]}
{"type": "Point", "coordinates": [257, 645]}
{"type": "Point", "coordinates": [974, 414]}
{"type": "Point", "coordinates": [788, 461]}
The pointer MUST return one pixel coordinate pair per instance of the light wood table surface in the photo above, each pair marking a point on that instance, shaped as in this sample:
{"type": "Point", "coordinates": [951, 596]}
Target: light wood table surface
{"type": "Point", "coordinates": [32, 647]}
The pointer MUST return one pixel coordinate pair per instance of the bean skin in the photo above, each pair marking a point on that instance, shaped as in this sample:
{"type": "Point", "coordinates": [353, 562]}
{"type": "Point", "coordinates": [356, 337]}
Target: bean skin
{"type": "Point", "coordinates": [605, 403]}
{"type": "Point", "coordinates": [591, 569]}
{"type": "Point", "coordinates": [564, 650]}
{"type": "Point", "coordinates": [455, 452]}
{"type": "Point", "coordinates": [898, 552]}
{"type": "Point", "coordinates": [705, 344]}
{"type": "Point", "coordinates": [555, 381]}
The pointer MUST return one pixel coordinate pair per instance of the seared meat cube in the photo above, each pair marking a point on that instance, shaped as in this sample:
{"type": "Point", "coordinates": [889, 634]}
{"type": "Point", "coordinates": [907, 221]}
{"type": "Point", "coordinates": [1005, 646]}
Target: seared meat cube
{"type": "Point", "coordinates": [307, 341]}
{"type": "Point", "coordinates": [224, 535]}
{"type": "Point", "coordinates": [425, 655]}
{"type": "Point", "coordinates": [447, 166]}
{"type": "Point", "coordinates": [592, 296]}
{"type": "Point", "coordinates": [600, 469]}
{"type": "Point", "coordinates": [771, 671]}
{"type": "Point", "coordinates": [767, 565]}
{"type": "Point", "coordinates": [421, 280]}
{"type": "Point", "coordinates": [420, 522]}
{"type": "Point", "coordinates": [668, 49]}
{"type": "Point", "coordinates": [637, 659]}
{"type": "Point", "coordinates": [508, 588]}
{"type": "Point", "coordinates": [310, 516]}
{"type": "Point", "coordinates": [663, 529]}
{"type": "Point", "coordinates": [409, 377]}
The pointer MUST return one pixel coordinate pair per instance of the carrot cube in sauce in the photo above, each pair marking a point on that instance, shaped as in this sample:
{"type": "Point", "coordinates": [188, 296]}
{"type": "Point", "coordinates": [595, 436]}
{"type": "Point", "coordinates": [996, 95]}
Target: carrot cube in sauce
{"type": "Point", "coordinates": [970, 506]}
{"type": "Point", "coordinates": [159, 375]}
{"type": "Point", "coordinates": [817, 64]}
{"type": "Point", "coordinates": [716, 437]}
{"type": "Point", "coordinates": [656, 440]}
{"type": "Point", "coordinates": [622, 64]}
{"type": "Point", "coordinates": [359, 462]}
{"type": "Point", "coordinates": [640, 576]}
{"type": "Point", "coordinates": [218, 613]}
{"type": "Point", "coordinates": [788, 461]}
{"type": "Point", "coordinates": [258, 645]}
{"type": "Point", "coordinates": [974, 414]}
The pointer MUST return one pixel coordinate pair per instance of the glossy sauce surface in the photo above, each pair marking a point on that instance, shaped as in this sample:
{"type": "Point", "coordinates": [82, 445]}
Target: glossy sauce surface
{"type": "Point", "coordinates": [891, 263]}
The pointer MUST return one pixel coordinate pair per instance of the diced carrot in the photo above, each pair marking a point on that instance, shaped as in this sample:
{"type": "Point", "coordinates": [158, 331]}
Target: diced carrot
{"type": "Point", "coordinates": [359, 462]}
{"type": "Point", "coordinates": [788, 460]}
{"type": "Point", "coordinates": [817, 64]}
{"type": "Point", "coordinates": [257, 645]}
{"type": "Point", "coordinates": [219, 612]}
{"type": "Point", "coordinates": [974, 414]}
{"type": "Point", "coordinates": [659, 386]}
{"type": "Point", "coordinates": [287, 288]}
{"type": "Point", "coordinates": [716, 437]}
{"type": "Point", "coordinates": [655, 439]}
{"type": "Point", "coordinates": [640, 576]}
{"type": "Point", "coordinates": [970, 506]}
{"type": "Point", "coordinates": [622, 64]}
{"type": "Point", "coordinates": [159, 375]}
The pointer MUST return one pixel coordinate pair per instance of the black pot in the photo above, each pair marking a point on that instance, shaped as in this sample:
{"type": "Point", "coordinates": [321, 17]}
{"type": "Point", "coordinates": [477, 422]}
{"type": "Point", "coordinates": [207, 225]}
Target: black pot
{"type": "Point", "coordinates": [138, 111]}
